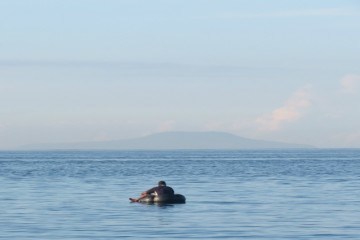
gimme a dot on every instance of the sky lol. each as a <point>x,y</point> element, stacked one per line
<point>94,70</point>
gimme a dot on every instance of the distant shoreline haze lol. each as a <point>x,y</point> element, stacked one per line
<point>171,141</point>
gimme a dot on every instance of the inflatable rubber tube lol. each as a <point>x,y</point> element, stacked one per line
<point>177,198</point>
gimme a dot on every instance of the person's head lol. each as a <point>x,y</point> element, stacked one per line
<point>162,183</point>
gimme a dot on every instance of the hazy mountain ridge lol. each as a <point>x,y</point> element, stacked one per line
<point>173,141</point>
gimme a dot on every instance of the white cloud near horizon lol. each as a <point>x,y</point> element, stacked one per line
<point>291,111</point>
<point>350,83</point>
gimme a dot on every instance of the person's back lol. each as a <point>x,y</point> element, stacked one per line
<point>161,190</point>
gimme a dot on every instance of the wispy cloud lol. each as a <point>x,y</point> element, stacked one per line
<point>166,126</point>
<point>60,63</point>
<point>350,83</point>
<point>314,12</point>
<point>320,12</point>
<point>291,111</point>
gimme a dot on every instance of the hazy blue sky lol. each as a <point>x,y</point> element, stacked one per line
<point>83,70</point>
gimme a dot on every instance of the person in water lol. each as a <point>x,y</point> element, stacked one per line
<point>161,191</point>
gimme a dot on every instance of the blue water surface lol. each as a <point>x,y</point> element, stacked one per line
<point>249,194</point>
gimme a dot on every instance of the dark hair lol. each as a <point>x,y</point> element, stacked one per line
<point>162,183</point>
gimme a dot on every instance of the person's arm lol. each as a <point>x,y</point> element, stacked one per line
<point>143,194</point>
<point>150,191</point>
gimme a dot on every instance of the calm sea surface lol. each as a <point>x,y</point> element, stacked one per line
<point>252,194</point>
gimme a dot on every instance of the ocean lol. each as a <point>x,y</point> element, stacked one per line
<point>245,194</point>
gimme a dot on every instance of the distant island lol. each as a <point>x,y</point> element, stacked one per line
<point>173,141</point>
